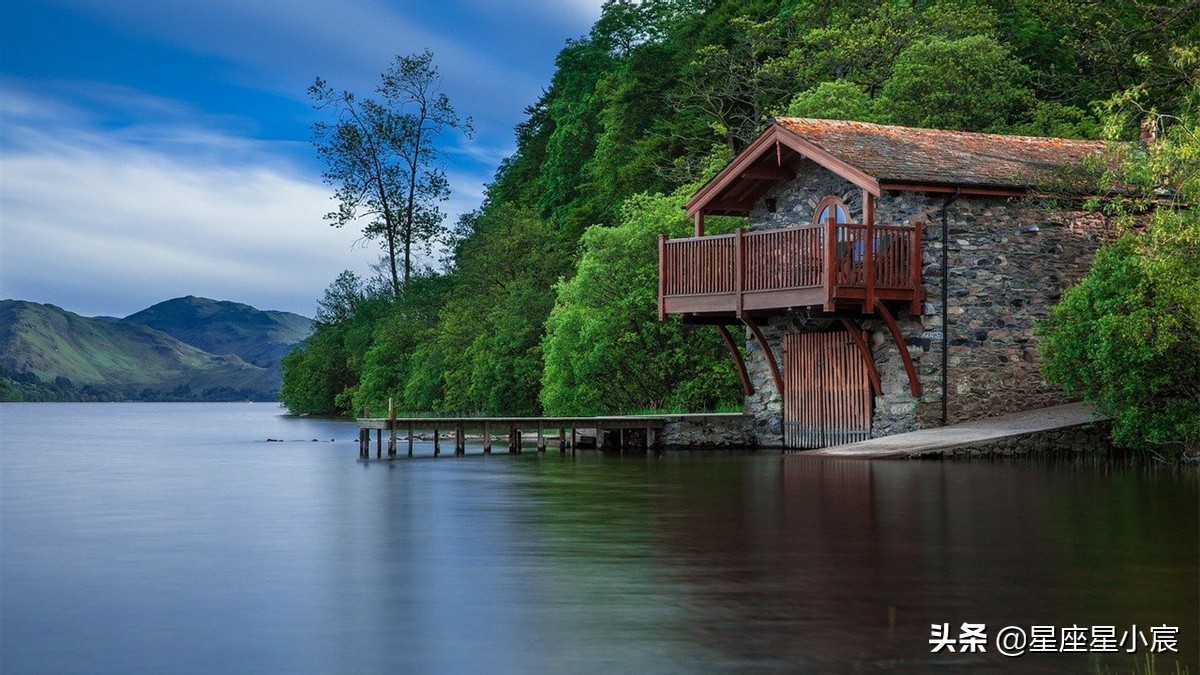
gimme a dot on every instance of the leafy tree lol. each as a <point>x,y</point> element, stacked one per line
<point>1127,337</point>
<point>840,100</point>
<point>971,84</point>
<point>604,349</point>
<point>381,158</point>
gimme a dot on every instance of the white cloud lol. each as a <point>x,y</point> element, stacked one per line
<point>99,224</point>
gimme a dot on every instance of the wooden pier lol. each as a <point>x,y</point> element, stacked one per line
<point>633,431</point>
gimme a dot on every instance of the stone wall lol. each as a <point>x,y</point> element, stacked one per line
<point>1094,437</point>
<point>707,431</point>
<point>1009,262</point>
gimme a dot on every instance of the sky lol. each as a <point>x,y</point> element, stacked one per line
<point>151,149</point>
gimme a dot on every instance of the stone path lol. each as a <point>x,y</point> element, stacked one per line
<point>963,435</point>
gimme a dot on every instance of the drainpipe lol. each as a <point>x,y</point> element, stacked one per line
<point>946,301</point>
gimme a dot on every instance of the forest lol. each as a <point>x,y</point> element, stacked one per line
<point>545,302</point>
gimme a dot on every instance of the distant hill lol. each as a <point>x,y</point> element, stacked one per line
<point>222,327</point>
<point>48,353</point>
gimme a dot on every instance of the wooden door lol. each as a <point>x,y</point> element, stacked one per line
<point>827,399</point>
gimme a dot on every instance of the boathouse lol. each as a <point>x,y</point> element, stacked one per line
<point>889,278</point>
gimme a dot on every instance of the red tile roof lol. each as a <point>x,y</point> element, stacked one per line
<point>961,158</point>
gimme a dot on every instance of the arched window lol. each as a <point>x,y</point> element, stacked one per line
<point>831,207</point>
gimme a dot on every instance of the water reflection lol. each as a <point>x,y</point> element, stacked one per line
<point>166,549</point>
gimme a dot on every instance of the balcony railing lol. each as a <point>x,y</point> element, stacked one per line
<point>790,267</point>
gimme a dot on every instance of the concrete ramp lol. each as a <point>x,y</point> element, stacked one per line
<point>964,434</point>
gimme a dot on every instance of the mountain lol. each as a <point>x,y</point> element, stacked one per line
<point>48,353</point>
<point>222,327</point>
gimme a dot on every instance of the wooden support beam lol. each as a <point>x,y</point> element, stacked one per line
<point>410,439</point>
<point>914,385</point>
<point>487,438</point>
<point>766,347</point>
<point>747,386</point>
<point>379,444</point>
<point>780,174</point>
<point>562,440</point>
<point>364,443</point>
<point>872,370</point>
<point>437,442</point>
<point>699,229</point>
<point>541,440</point>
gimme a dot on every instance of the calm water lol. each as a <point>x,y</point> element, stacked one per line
<point>152,538</point>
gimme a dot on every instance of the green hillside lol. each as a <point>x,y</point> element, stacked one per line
<point>222,327</point>
<point>48,353</point>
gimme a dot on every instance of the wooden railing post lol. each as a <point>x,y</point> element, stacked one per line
<point>739,270</point>
<point>918,288</point>
<point>662,277</point>
<point>830,259</point>
<point>869,253</point>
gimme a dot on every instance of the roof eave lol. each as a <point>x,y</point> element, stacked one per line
<point>766,143</point>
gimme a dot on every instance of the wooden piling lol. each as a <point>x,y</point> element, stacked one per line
<point>364,443</point>
<point>541,440</point>
<point>392,427</point>
<point>410,439</point>
<point>437,443</point>
<point>487,438</point>
<point>379,444</point>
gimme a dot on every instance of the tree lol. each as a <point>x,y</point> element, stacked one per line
<point>840,100</point>
<point>971,84</point>
<point>1127,337</point>
<point>381,158</point>
<point>605,351</point>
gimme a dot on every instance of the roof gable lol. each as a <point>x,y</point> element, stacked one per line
<point>879,157</point>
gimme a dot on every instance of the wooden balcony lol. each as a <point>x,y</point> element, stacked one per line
<point>755,273</point>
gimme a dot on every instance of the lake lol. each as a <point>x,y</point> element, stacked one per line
<point>153,538</point>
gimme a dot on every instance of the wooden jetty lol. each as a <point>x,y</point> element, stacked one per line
<point>631,431</point>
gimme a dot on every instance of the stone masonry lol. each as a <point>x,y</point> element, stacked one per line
<point>1009,263</point>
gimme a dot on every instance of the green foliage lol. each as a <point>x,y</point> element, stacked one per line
<point>971,84</point>
<point>1127,337</point>
<point>605,349</point>
<point>840,100</point>
<point>547,300</point>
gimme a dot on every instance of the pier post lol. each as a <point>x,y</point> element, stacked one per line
<point>364,443</point>
<point>379,444</point>
<point>487,438</point>
<point>392,428</point>
<point>437,443</point>
<point>541,440</point>
<point>562,440</point>
<point>573,441</point>
<point>460,441</point>
<point>410,438</point>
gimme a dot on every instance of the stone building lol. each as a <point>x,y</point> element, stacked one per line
<point>889,278</point>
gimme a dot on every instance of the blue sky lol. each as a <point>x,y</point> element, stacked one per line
<point>156,148</point>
